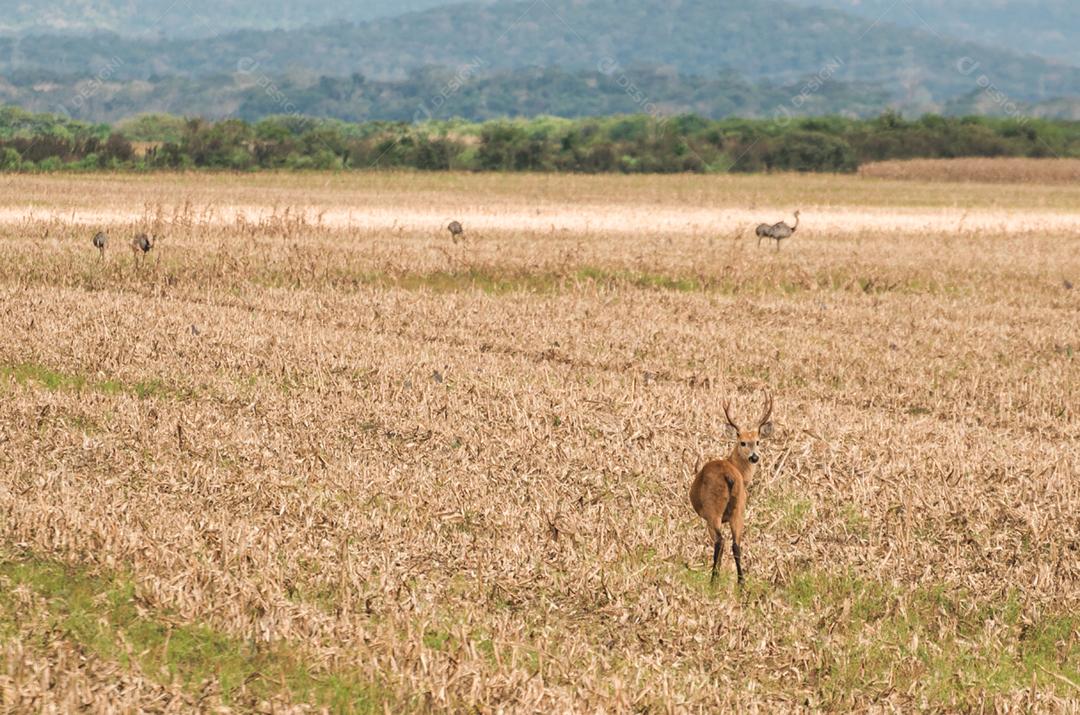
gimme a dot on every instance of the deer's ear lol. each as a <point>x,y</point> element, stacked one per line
<point>730,430</point>
<point>765,431</point>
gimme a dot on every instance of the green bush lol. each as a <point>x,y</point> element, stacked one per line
<point>811,151</point>
<point>10,160</point>
<point>50,164</point>
<point>628,144</point>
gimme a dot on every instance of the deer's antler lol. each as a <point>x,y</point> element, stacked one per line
<point>727,413</point>
<point>768,410</point>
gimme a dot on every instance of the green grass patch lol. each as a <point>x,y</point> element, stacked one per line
<point>609,278</point>
<point>791,510</point>
<point>55,380</point>
<point>496,280</point>
<point>492,282</point>
<point>51,380</point>
<point>956,648</point>
<point>855,521</point>
<point>436,639</point>
<point>99,612</point>
<point>700,579</point>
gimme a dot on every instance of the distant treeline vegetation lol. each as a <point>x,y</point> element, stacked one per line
<point>639,143</point>
<point>470,93</point>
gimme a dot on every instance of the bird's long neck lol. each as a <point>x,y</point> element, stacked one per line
<point>796,226</point>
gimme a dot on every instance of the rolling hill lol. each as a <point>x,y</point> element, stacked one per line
<point>1049,28</point>
<point>188,18</point>
<point>768,40</point>
<point>511,57</point>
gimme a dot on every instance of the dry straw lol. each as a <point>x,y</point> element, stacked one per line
<point>458,476</point>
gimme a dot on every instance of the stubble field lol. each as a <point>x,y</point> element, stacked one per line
<point>311,454</point>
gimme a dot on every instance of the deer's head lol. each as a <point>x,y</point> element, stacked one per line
<point>747,445</point>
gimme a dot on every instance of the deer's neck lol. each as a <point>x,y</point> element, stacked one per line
<point>742,464</point>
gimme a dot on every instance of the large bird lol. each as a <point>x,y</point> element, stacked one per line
<point>778,231</point>
<point>101,239</point>
<point>142,243</point>
<point>455,230</point>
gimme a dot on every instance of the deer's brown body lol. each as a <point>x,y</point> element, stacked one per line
<point>719,491</point>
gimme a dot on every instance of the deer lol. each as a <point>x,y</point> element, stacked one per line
<point>719,491</point>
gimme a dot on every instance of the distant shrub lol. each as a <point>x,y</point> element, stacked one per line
<point>627,144</point>
<point>10,160</point>
<point>811,151</point>
<point>49,164</point>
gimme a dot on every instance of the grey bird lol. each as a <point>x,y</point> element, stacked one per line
<point>778,231</point>
<point>455,230</point>
<point>101,239</point>
<point>141,244</point>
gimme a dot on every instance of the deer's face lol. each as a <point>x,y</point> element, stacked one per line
<point>748,441</point>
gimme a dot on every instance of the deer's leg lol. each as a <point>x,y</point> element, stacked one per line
<point>718,547</point>
<point>736,540</point>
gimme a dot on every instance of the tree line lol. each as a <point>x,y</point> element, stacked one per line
<point>626,144</point>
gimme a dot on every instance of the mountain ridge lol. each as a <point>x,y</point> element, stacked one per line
<point>1047,28</point>
<point>189,18</point>
<point>692,37</point>
<point>627,45</point>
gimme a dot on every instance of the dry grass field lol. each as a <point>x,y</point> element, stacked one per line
<point>310,454</point>
<point>983,170</point>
